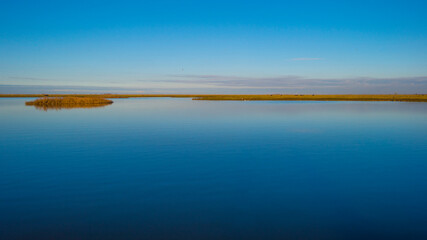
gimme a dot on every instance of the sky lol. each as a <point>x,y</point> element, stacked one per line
<point>220,46</point>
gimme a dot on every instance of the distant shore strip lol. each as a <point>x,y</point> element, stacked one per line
<point>230,97</point>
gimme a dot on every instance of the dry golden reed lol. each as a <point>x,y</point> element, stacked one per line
<point>312,97</point>
<point>57,103</point>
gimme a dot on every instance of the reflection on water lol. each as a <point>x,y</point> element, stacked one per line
<point>182,169</point>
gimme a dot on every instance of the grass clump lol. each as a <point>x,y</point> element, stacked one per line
<point>68,102</point>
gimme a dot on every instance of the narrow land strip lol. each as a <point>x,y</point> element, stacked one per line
<point>269,97</point>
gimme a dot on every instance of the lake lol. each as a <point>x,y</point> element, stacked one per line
<point>165,168</point>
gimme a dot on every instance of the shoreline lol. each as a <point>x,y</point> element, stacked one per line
<point>255,97</point>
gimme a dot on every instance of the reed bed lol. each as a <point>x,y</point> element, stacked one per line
<point>68,102</point>
<point>311,97</point>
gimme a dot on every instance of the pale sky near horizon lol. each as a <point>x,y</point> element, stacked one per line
<point>214,46</point>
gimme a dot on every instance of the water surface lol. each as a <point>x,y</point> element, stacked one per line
<point>161,168</point>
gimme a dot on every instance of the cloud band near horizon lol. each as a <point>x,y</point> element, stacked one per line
<point>193,83</point>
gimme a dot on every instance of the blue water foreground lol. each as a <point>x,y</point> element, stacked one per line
<point>164,168</point>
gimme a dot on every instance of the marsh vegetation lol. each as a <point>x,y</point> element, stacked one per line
<point>57,103</point>
<point>312,97</point>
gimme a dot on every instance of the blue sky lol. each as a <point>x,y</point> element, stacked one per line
<point>215,47</point>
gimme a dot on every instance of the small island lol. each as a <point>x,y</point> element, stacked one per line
<point>57,103</point>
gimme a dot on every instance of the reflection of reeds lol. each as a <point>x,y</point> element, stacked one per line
<point>57,103</point>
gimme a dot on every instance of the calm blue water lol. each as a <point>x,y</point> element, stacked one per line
<point>181,169</point>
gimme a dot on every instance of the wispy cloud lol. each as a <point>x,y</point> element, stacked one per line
<point>360,84</point>
<point>211,83</point>
<point>306,59</point>
<point>30,78</point>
